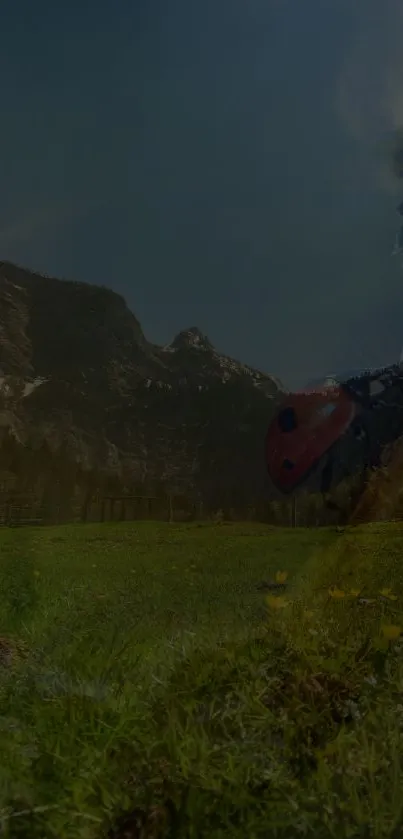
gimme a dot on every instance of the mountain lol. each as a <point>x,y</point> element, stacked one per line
<point>78,376</point>
<point>354,373</point>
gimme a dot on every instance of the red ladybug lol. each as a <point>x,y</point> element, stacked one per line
<point>328,433</point>
<point>305,429</point>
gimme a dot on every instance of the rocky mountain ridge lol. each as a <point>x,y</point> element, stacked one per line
<point>77,372</point>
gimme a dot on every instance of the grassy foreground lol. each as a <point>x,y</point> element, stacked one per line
<point>149,689</point>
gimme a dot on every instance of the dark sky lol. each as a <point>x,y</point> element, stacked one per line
<point>220,163</point>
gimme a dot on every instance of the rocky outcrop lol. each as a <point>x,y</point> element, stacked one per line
<point>77,372</point>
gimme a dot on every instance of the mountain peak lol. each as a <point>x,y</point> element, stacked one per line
<point>191,338</point>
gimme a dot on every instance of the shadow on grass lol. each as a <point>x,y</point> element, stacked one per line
<point>237,734</point>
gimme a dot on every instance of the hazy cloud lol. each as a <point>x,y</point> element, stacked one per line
<point>369,94</point>
<point>42,222</point>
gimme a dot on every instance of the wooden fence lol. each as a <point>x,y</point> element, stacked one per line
<point>20,511</point>
<point>15,513</point>
<point>121,508</point>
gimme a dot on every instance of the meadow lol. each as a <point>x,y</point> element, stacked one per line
<point>151,686</point>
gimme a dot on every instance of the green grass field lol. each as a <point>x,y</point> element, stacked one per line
<point>148,688</point>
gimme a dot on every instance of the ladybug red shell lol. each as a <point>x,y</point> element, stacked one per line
<point>307,425</point>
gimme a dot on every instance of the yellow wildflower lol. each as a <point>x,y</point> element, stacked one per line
<point>387,592</point>
<point>391,633</point>
<point>355,592</point>
<point>276,602</point>
<point>281,576</point>
<point>336,593</point>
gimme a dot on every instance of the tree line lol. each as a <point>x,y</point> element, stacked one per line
<point>56,489</point>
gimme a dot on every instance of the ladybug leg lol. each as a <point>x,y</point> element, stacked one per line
<point>326,477</point>
<point>326,483</point>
